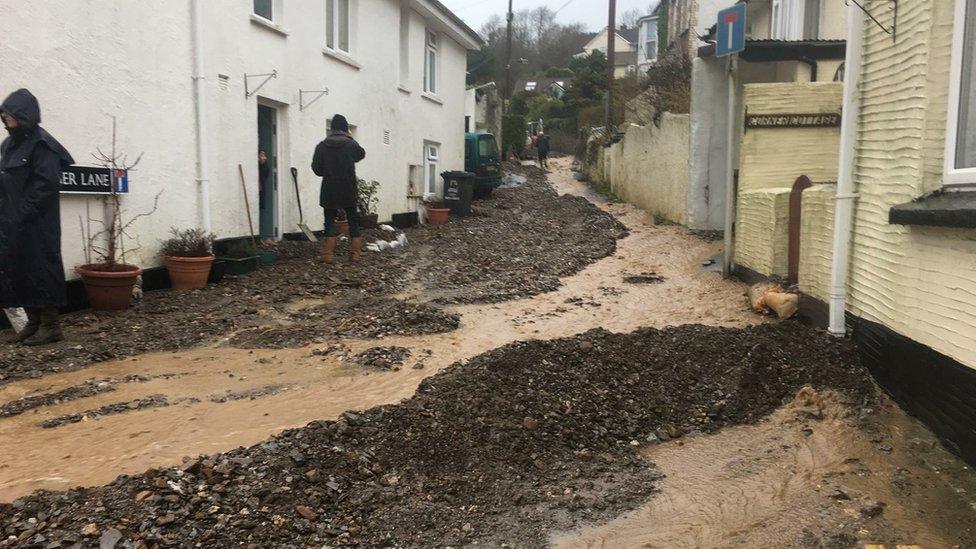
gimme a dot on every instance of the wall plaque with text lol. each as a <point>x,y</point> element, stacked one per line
<point>814,120</point>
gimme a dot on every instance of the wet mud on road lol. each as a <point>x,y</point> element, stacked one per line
<point>499,444</point>
<point>321,386</point>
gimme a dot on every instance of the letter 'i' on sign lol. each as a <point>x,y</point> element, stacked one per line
<point>731,31</point>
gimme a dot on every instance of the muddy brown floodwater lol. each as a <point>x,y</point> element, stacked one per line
<point>764,485</point>
<point>272,390</point>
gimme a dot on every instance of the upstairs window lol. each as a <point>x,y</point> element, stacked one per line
<point>430,63</point>
<point>530,86</point>
<point>264,8</point>
<point>337,25</point>
<point>650,40</point>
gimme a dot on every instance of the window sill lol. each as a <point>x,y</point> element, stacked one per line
<point>270,25</point>
<point>941,209</point>
<point>432,98</point>
<point>404,89</point>
<point>342,58</point>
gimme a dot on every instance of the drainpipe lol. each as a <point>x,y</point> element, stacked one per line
<point>199,79</point>
<point>844,209</point>
<point>813,67</point>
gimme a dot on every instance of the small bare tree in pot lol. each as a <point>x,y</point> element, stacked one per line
<point>188,256</point>
<point>107,276</point>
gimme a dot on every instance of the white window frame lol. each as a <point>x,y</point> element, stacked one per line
<point>332,20</point>
<point>431,159</point>
<point>786,20</point>
<point>431,72</point>
<point>650,53</point>
<point>956,176</point>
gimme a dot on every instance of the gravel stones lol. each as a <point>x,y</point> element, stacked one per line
<point>503,449</point>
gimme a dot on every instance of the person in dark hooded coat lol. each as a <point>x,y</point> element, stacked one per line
<point>335,162</point>
<point>31,271</point>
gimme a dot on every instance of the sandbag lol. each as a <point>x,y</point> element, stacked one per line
<point>767,296</point>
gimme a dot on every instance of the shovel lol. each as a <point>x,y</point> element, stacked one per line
<point>301,217</point>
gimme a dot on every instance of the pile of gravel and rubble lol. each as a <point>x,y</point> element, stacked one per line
<point>517,244</point>
<point>517,443</point>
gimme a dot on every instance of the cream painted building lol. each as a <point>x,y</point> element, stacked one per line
<point>624,47</point>
<point>271,74</point>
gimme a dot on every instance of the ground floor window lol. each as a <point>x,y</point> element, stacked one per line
<point>961,124</point>
<point>431,162</point>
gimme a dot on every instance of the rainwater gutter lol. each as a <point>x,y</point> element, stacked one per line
<point>199,80</point>
<point>844,208</point>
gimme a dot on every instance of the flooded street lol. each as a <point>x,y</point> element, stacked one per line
<point>798,480</point>
<point>817,472</point>
<point>282,388</point>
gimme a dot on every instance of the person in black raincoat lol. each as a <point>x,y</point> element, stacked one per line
<point>335,162</point>
<point>31,272</point>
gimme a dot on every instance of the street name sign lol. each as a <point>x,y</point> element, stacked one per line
<point>93,180</point>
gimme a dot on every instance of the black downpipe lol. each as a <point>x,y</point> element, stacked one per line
<point>813,67</point>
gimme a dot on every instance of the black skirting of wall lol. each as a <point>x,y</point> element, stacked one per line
<point>936,389</point>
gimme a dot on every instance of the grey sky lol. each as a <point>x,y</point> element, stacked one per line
<point>592,13</point>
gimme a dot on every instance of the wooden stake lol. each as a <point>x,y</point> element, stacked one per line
<point>247,206</point>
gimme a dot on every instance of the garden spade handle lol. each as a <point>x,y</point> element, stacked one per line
<point>247,205</point>
<point>298,195</point>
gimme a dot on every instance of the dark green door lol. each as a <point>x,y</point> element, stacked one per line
<point>268,177</point>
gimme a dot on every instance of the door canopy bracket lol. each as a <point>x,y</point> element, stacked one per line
<point>893,5</point>
<point>248,77</point>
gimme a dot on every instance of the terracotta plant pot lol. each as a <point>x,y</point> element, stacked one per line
<point>188,273</point>
<point>109,290</point>
<point>342,227</point>
<point>438,216</point>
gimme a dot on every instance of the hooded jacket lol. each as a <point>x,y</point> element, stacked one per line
<point>335,162</point>
<point>31,162</point>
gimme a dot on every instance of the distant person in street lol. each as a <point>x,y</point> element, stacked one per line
<point>335,162</point>
<point>31,272</point>
<point>264,170</point>
<point>542,147</point>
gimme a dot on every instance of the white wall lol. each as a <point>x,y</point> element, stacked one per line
<point>705,191</point>
<point>87,60</point>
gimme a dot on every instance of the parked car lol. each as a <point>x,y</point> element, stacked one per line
<point>482,159</point>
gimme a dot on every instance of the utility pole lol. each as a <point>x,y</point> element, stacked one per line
<point>611,39</point>
<point>508,62</point>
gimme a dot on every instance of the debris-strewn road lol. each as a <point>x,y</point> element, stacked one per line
<point>503,379</point>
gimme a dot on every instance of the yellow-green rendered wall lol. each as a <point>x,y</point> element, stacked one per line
<point>920,282</point>
<point>770,162</point>
<point>816,240</point>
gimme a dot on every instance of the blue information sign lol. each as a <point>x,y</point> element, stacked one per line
<point>731,35</point>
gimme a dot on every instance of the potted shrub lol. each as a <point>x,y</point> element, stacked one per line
<point>268,252</point>
<point>107,276</point>
<point>188,256</point>
<point>368,201</point>
<point>241,258</point>
<point>437,212</point>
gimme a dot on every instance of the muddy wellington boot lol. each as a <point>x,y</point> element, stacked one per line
<point>355,248</point>
<point>49,331</point>
<point>33,324</point>
<point>328,250</point>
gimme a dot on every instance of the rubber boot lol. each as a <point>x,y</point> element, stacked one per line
<point>49,331</point>
<point>33,324</point>
<point>328,250</point>
<point>355,248</point>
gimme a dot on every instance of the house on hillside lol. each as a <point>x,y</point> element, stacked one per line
<point>624,47</point>
<point>212,82</point>
<point>554,86</point>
